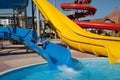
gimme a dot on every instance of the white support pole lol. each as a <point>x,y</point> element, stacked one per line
<point>54,2</point>
<point>38,22</point>
<point>43,25</point>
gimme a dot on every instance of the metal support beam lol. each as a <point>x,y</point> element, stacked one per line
<point>25,16</point>
<point>33,24</point>
<point>7,13</point>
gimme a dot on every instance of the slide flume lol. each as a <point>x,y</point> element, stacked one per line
<point>87,10</point>
<point>78,38</point>
<point>49,51</point>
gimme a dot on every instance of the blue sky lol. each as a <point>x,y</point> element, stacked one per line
<point>104,7</point>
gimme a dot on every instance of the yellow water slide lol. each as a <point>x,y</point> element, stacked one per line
<point>77,37</point>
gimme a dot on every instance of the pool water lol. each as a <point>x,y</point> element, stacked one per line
<point>83,69</point>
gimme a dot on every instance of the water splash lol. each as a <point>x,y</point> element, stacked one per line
<point>67,73</point>
<point>66,69</point>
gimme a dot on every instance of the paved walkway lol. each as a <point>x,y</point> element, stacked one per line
<point>13,56</point>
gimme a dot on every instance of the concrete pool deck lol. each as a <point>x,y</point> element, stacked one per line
<point>13,56</point>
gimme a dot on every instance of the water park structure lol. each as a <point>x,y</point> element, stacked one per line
<point>30,39</point>
<point>59,57</point>
<point>70,33</point>
<point>77,37</point>
<point>86,10</point>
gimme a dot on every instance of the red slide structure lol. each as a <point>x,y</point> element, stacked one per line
<point>87,10</point>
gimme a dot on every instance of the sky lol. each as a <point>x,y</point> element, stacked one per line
<point>104,7</point>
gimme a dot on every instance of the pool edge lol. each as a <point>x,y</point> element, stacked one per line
<point>12,69</point>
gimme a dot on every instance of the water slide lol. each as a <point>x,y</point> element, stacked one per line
<point>87,10</point>
<point>49,51</point>
<point>78,38</point>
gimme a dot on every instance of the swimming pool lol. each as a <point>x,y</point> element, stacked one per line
<point>83,69</point>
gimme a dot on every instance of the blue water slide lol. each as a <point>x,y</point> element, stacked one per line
<point>56,55</point>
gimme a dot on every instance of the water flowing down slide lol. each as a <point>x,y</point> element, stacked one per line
<point>78,38</point>
<point>49,51</point>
